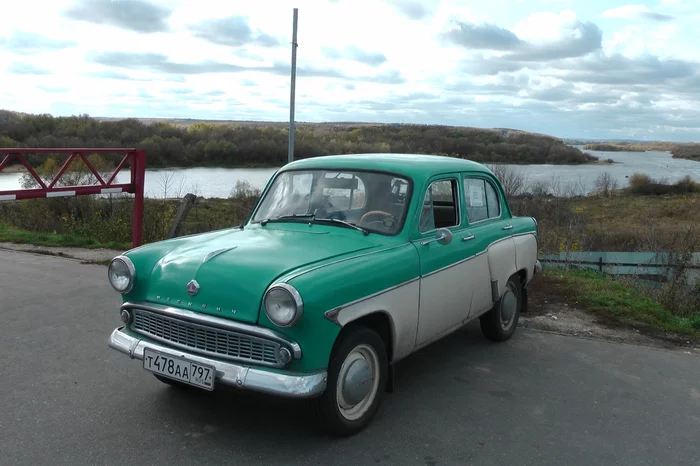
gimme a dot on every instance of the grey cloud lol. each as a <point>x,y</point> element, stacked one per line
<point>483,36</point>
<point>620,70</point>
<point>109,74</point>
<point>178,91</point>
<point>133,15</point>
<point>412,9</point>
<point>389,77</point>
<point>657,16</point>
<point>354,53</point>
<point>29,42</point>
<point>233,31</point>
<point>53,90</point>
<point>159,63</point>
<point>26,68</point>
<point>580,40</point>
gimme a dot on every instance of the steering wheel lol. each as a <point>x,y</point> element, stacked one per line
<point>387,221</point>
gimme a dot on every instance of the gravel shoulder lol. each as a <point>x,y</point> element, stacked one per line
<point>550,310</point>
<point>81,254</point>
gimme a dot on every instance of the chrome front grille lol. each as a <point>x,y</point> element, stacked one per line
<point>204,339</point>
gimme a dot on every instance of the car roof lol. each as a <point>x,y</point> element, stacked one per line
<point>415,166</point>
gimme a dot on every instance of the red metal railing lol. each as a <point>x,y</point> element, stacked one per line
<point>136,157</point>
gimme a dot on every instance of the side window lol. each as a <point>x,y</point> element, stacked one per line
<point>482,200</point>
<point>440,207</point>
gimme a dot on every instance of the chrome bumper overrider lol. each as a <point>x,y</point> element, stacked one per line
<point>237,375</point>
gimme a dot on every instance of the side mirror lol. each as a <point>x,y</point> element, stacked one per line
<point>442,236</point>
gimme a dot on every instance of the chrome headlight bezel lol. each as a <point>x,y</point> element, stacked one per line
<point>296,298</point>
<point>131,269</point>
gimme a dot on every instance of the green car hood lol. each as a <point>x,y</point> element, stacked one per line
<point>235,268</point>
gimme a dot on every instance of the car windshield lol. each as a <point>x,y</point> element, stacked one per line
<point>375,202</point>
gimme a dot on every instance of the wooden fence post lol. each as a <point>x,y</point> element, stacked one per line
<point>182,211</point>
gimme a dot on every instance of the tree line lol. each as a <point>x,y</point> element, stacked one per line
<point>228,144</point>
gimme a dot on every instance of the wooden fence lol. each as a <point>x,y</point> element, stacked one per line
<point>648,266</point>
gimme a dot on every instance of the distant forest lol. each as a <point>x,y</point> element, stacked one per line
<point>232,144</point>
<point>689,151</point>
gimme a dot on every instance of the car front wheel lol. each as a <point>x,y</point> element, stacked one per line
<point>357,377</point>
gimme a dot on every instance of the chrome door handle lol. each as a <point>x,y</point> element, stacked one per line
<point>467,238</point>
<point>508,227</point>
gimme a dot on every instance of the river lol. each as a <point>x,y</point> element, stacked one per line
<point>218,182</point>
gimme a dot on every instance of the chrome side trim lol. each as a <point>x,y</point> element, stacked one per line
<point>244,377</point>
<point>225,324</point>
<point>332,314</point>
<point>298,274</point>
<point>455,264</point>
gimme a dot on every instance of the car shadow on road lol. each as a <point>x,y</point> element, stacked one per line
<point>231,418</point>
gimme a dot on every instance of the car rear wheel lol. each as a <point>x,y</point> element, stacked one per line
<point>500,322</point>
<point>357,377</point>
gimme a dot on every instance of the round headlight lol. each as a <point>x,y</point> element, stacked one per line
<point>121,273</point>
<point>283,305</point>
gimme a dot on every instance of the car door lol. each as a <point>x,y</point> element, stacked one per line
<point>488,227</point>
<point>445,300</point>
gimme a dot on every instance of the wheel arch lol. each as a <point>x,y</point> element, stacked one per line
<point>381,322</point>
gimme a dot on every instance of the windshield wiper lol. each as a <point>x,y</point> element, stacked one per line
<point>286,217</point>
<point>343,222</point>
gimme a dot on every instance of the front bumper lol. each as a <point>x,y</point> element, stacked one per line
<point>538,267</point>
<point>237,375</point>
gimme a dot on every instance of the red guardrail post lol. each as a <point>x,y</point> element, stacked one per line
<point>138,180</point>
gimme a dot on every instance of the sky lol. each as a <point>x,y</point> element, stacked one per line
<point>569,68</point>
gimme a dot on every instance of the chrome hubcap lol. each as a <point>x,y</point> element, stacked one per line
<point>509,304</point>
<point>358,381</point>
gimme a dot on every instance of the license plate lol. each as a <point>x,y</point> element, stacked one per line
<point>180,369</point>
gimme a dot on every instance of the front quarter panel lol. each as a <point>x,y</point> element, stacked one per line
<point>385,281</point>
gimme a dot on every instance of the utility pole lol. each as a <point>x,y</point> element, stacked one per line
<point>290,154</point>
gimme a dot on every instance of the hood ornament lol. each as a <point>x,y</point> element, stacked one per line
<point>192,287</point>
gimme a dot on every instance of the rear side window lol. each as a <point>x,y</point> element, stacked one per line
<point>481,199</point>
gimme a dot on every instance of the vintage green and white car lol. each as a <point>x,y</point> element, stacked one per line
<point>346,265</point>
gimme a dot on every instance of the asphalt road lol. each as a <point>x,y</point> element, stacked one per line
<point>66,398</point>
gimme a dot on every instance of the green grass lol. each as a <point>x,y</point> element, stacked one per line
<point>11,234</point>
<point>621,303</point>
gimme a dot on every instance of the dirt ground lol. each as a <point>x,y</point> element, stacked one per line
<point>551,309</point>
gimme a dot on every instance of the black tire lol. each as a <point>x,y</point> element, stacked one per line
<point>172,383</point>
<point>495,327</point>
<point>366,345</point>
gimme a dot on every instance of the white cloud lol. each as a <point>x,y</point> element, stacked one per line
<point>552,61</point>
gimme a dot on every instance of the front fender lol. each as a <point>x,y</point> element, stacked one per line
<point>342,291</point>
